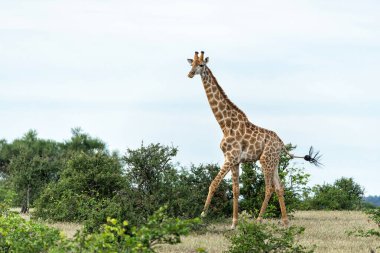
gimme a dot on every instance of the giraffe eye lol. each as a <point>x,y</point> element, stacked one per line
<point>201,65</point>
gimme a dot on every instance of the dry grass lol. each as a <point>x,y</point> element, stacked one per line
<point>68,228</point>
<point>325,229</point>
<point>213,240</point>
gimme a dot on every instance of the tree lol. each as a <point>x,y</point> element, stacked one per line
<point>83,142</point>
<point>156,181</point>
<point>5,150</point>
<point>31,164</point>
<point>253,187</point>
<point>86,183</point>
<point>152,175</point>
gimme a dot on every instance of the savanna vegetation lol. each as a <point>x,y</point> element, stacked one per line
<point>134,201</point>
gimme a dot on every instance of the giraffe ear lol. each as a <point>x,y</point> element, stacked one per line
<point>206,60</point>
<point>190,61</point>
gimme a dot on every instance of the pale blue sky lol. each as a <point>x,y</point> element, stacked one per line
<point>305,69</point>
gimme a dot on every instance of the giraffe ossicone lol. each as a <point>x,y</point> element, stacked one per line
<point>242,142</point>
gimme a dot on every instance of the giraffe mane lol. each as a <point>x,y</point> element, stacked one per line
<point>224,95</point>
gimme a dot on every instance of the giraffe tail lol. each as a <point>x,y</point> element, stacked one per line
<point>313,157</point>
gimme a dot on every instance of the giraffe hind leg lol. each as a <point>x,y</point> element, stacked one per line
<point>268,191</point>
<point>280,193</point>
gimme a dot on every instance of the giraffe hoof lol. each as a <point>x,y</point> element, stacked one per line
<point>203,214</point>
<point>259,219</point>
<point>233,226</point>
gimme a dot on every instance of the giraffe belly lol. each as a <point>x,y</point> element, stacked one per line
<point>248,156</point>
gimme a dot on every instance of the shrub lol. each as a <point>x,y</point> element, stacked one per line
<point>152,176</point>
<point>19,235</point>
<point>120,237</point>
<point>155,182</point>
<point>344,194</point>
<point>265,237</point>
<point>86,180</point>
<point>6,195</point>
<point>120,206</point>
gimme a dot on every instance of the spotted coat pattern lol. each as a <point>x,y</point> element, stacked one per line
<point>242,142</point>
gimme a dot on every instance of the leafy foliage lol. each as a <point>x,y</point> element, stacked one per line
<point>29,163</point>
<point>93,186</point>
<point>19,235</point>
<point>253,187</point>
<point>155,182</point>
<point>79,180</point>
<point>344,194</point>
<point>120,237</point>
<point>86,181</point>
<point>265,237</point>
<point>152,176</point>
<point>83,142</point>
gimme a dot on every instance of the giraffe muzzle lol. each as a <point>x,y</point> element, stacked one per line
<point>191,74</point>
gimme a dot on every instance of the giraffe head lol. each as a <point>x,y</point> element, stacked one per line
<point>198,64</point>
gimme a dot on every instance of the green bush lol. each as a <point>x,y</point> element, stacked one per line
<point>344,194</point>
<point>265,237</point>
<point>93,186</point>
<point>121,237</point>
<point>86,181</point>
<point>120,206</point>
<point>155,181</point>
<point>31,163</point>
<point>19,235</point>
<point>6,195</point>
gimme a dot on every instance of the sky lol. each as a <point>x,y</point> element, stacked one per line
<point>308,70</point>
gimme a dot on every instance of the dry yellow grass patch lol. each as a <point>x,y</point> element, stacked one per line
<point>68,228</point>
<point>325,229</point>
<point>213,240</point>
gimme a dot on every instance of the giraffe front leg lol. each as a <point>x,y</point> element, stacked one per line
<point>236,192</point>
<point>214,185</point>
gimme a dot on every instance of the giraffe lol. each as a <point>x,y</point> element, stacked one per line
<point>242,142</point>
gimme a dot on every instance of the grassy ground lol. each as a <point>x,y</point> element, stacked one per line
<point>325,229</point>
<point>68,228</point>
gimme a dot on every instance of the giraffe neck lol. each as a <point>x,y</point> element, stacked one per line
<point>226,113</point>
